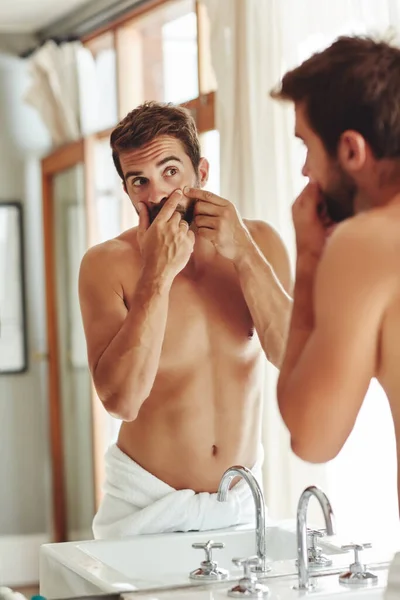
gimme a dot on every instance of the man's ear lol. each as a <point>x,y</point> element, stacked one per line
<point>204,168</point>
<point>124,187</point>
<point>352,151</point>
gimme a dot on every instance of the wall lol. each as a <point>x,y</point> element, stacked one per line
<point>24,454</point>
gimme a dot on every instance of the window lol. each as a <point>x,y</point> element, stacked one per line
<point>162,46</point>
<point>97,71</point>
<point>108,194</point>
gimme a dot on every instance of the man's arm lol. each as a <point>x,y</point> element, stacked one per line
<point>302,317</point>
<point>264,273</point>
<point>323,387</point>
<point>124,345</point>
<point>261,262</point>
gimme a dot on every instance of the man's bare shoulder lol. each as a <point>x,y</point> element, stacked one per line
<point>375,229</point>
<point>108,257</point>
<point>114,249</point>
<point>261,230</point>
<point>266,237</point>
<point>271,245</point>
<point>362,253</point>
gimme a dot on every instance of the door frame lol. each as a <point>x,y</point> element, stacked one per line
<point>66,157</point>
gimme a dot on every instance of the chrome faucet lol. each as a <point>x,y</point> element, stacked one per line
<point>258,496</point>
<point>302,550</point>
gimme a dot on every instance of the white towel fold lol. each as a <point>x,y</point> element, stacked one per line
<point>136,502</point>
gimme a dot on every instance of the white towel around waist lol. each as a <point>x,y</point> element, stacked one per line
<point>136,502</point>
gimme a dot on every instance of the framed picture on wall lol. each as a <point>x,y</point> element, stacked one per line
<point>13,336</point>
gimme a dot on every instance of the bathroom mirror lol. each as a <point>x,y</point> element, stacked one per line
<point>13,343</point>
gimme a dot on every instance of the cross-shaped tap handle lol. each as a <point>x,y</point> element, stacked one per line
<point>208,547</point>
<point>314,534</point>
<point>247,563</point>
<point>357,549</point>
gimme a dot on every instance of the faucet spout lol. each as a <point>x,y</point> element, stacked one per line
<point>247,475</point>
<point>302,529</point>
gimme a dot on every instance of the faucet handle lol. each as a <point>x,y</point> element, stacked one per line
<point>358,573</point>
<point>357,549</point>
<point>248,586</point>
<point>315,534</point>
<point>316,558</point>
<point>208,547</point>
<point>247,563</point>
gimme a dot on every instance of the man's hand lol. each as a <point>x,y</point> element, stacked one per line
<point>312,226</point>
<point>218,221</point>
<point>166,244</point>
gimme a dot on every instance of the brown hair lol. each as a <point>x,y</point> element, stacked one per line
<point>151,120</point>
<point>352,85</point>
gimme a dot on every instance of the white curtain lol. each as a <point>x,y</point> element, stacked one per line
<point>73,90</point>
<point>53,90</point>
<point>253,42</point>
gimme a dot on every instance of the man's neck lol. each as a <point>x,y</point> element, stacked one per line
<point>378,197</point>
<point>203,256</point>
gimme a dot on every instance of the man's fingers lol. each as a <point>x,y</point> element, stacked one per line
<point>204,195</point>
<point>204,221</point>
<point>313,193</point>
<point>207,234</point>
<point>206,208</point>
<point>176,219</point>
<point>309,200</point>
<point>169,207</point>
<point>144,219</point>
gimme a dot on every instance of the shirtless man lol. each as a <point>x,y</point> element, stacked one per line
<point>345,326</point>
<point>178,314</point>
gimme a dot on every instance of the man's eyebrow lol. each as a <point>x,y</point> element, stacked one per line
<point>159,164</point>
<point>133,174</point>
<point>167,159</point>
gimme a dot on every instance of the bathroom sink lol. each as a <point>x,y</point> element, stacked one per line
<point>328,588</point>
<point>172,555</point>
<point>152,562</point>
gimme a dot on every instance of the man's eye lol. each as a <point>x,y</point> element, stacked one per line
<point>139,181</point>
<point>171,171</point>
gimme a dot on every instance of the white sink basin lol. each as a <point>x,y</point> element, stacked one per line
<point>157,561</point>
<point>172,555</point>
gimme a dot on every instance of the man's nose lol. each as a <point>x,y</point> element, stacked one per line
<point>157,195</point>
<point>305,170</point>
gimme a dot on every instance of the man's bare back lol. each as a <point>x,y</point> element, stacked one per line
<point>345,325</point>
<point>359,272</point>
<point>388,355</point>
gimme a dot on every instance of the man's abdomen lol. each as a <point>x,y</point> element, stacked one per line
<point>189,433</point>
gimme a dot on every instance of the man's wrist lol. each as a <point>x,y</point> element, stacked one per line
<point>306,264</point>
<point>247,253</point>
<point>153,282</point>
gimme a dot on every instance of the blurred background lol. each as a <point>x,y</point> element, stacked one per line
<point>69,71</point>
